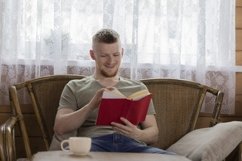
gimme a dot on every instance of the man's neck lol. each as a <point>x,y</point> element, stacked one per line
<point>107,81</point>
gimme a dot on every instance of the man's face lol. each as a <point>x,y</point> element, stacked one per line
<point>108,58</point>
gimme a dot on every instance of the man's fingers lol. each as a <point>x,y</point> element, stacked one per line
<point>126,122</point>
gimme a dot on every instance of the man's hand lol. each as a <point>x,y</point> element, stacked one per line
<point>148,134</point>
<point>95,101</point>
<point>127,129</point>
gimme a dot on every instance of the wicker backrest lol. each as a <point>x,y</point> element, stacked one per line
<point>45,95</point>
<point>177,104</point>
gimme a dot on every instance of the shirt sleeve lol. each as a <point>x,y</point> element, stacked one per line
<point>68,98</point>
<point>151,108</point>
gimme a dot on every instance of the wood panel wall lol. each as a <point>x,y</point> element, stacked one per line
<point>203,119</point>
<point>238,104</point>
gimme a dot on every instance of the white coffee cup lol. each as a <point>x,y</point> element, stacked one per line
<point>77,145</point>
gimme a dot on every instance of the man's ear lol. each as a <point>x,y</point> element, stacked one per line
<point>122,51</point>
<point>91,52</point>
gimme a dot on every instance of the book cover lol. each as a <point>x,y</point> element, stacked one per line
<point>115,105</point>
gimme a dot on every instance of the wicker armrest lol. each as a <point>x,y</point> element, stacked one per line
<point>8,132</point>
<point>2,144</point>
<point>217,105</point>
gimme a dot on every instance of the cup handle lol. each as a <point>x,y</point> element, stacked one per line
<point>62,143</point>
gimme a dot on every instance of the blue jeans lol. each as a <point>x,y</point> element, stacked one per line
<point>120,143</point>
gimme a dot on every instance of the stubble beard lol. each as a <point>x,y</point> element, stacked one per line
<point>109,75</point>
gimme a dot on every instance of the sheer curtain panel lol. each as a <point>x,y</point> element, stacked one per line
<point>187,39</point>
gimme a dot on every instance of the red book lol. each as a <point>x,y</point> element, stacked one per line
<point>115,105</point>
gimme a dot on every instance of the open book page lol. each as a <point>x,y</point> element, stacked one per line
<point>112,93</point>
<point>115,93</point>
<point>138,95</point>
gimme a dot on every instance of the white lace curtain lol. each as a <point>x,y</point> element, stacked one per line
<point>187,39</point>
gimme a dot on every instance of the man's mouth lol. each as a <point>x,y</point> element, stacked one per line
<point>110,66</point>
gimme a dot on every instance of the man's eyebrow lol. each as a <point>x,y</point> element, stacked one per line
<point>111,53</point>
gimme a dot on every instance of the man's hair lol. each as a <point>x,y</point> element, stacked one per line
<point>106,36</point>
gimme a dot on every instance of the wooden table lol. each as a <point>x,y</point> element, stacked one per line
<point>105,156</point>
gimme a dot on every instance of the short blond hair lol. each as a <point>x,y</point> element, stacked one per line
<point>105,36</point>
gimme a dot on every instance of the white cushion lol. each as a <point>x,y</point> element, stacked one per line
<point>210,144</point>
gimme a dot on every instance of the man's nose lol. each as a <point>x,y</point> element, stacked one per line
<point>110,59</point>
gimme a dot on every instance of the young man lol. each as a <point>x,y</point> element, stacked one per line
<point>80,100</point>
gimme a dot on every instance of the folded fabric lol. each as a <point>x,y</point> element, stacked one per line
<point>210,144</point>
